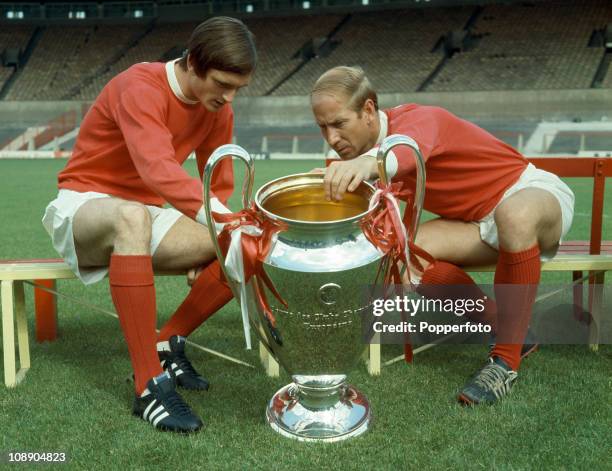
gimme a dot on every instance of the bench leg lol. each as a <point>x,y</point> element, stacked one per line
<point>22,330</point>
<point>578,296</point>
<point>269,363</point>
<point>596,301</point>
<point>374,360</point>
<point>46,311</point>
<point>8,333</point>
<point>373,356</point>
<point>12,291</point>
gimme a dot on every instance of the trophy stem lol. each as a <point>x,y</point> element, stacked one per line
<point>319,411</point>
<point>320,398</point>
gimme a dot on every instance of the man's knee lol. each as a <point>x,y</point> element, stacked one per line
<point>133,217</point>
<point>517,226</point>
<point>427,241</point>
<point>133,224</point>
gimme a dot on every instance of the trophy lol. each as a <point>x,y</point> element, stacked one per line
<point>307,302</point>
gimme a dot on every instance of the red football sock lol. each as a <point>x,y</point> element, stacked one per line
<point>444,273</point>
<point>208,294</point>
<point>133,291</point>
<point>516,285</point>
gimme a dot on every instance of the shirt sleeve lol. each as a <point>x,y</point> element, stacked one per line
<point>425,125</point>
<point>140,114</point>
<point>223,179</point>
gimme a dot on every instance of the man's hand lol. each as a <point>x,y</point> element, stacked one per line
<point>343,176</point>
<point>193,274</point>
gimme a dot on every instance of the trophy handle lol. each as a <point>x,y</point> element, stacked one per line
<point>381,159</point>
<point>227,150</point>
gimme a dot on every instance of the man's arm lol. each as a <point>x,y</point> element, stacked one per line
<point>140,115</point>
<point>425,125</point>
<point>223,179</point>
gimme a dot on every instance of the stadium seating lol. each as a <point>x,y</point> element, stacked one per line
<point>64,57</point>
<point>15,37</point>
<point>278,40</point>
<point>538,45</point>
<point>104,44</point>
<point>393,47</point>
<point>142,45</point>
<point>607,82</point>
<point>5,73</point>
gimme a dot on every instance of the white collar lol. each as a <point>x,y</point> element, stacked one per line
<point>174,84</point>
<point>384,127</point>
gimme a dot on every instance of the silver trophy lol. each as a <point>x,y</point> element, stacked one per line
<point>320,263</point>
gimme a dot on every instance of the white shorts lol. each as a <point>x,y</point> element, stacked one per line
<point>533,177</point>
<point>58,219</point>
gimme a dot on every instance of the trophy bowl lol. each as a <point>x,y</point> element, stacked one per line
<point>321,264</point>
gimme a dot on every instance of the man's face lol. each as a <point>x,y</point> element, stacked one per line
<point>216,88</point>
<point>349,133</point>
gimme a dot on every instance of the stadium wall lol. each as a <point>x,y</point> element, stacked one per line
<point>15,114</point>
<point>535,105</point>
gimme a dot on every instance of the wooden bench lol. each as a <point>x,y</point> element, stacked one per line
<point>43,274</point>
<point>13,276</point>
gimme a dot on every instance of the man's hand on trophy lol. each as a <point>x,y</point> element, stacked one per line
<point>344,176</point>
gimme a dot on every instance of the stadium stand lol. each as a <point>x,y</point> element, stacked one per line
<point>529,46</point>
<point>279,139</point>
<point>64,57</point>
<point>5,73</point>
<point>394,47</point>
<point>15,37</point>
<point>104,44</point>
<point>607,82</point>
<point>278,40</point>
<point>148,44</point>
<point>397,48</point>
<point>537,45</point>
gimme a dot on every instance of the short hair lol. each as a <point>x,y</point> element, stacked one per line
<point>221,43</point>
<point>349,81</point>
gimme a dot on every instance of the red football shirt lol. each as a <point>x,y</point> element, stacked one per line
<point>136,136</point>
<point>468,169</point>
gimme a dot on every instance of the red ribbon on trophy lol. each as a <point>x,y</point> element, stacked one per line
<point>385,230</point>
<point>256,244</point>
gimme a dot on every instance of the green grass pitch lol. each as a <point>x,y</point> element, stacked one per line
<point>76,399</point>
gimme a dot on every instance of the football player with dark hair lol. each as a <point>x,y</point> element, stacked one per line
<point>108,217</point>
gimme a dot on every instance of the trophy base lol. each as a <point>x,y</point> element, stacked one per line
<point>343,413</point>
